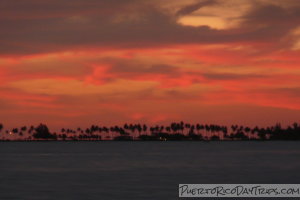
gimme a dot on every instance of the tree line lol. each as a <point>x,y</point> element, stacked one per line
<point>174,131</point>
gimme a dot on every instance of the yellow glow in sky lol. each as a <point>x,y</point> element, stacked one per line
<point>210,21</point>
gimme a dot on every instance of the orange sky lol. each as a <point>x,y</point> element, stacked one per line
<point>70,63</point>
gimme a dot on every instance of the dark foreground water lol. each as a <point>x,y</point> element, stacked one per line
<point>138,170</point>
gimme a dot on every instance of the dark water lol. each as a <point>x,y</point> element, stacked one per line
<point>138,170</point>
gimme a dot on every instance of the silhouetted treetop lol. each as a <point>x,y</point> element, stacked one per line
<point>42,132</point>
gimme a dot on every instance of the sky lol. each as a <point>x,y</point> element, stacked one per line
<point>82,62</point>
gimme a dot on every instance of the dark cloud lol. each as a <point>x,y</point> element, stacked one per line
<point>30,9</point>
<point>131,69</point>
<point>134,67</point>
<point>32,26</point>
<point>293,92</point>
<point>183,95</point>
<point>231,76</point>
<point>270,22</point>
<point>194,7</point>
<point>273,14</point>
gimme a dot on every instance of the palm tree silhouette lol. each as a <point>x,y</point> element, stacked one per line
<point>173,131</point>
<point>42,132</point>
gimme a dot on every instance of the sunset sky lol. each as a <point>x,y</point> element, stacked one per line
<point>83,62</point>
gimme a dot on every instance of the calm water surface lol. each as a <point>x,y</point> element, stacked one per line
<point>138,170</point>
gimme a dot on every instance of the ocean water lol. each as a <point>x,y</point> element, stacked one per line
<point>138,170</point>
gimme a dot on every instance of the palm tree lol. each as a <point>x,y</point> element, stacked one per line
<point>295,125</point>
<point>247,130</point>
<point>175,131</point>
<point>24,128</point>
<point>15,130</point>
<point>42,132</point>
<point>262,134</point>
<point>145,128</point>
